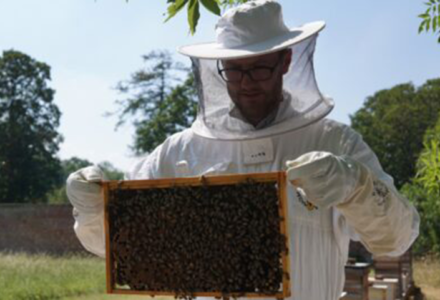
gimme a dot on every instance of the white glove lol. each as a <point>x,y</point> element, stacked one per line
<point>84,192</point>
<point>83,189</point>
<point>326,179</point>
<point>385,222</point>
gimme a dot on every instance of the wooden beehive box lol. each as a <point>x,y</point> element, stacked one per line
<point>217,236</point>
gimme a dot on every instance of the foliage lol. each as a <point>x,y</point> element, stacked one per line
<point>73,164</point>
<point>431,18</point>
<point>428,241</point>
<point>110,171</point>
<point>176,113</point>
<point>424,192</point>
<point>428,165</point>
<point>157,101</point>
<point>29,120</point>
<point>393,123</point>
<point>58,195</point>
<point>193,11</point>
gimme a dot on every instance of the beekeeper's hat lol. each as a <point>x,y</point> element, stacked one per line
<point>254,28</point>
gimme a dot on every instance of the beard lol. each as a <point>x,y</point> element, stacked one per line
<point>257,103</point>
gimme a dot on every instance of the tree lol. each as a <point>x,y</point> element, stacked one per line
<point>58,194</point>
<point>110,171</point>
<point>213,6</point>
<point>73,164</point>
<point>431,18</point>
<point>428,164</point>
<point>393,123</point>
<point>157,101</point>
<point>29,120</point>
<point>175,113</point>
<point>424,192</point>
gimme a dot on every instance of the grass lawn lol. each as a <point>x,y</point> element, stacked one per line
<point>427,276</point>
<point>115,297</point>
<point>43,277</point>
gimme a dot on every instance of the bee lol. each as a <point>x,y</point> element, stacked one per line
<point>183,239</point>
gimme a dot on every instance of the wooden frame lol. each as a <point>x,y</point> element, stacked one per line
<point>276,177</point>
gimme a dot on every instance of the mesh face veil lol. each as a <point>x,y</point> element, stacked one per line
<point>247,38</point>
<point>302,102</point>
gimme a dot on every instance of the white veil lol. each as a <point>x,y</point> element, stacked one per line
<point>302,105</point>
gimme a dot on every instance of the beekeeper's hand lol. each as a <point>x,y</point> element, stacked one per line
<point>326,179</point>
<point>84,191</point>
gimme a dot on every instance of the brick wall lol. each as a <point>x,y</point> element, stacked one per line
<point>36,228</point>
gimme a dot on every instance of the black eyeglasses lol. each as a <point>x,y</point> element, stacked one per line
<point>235,75</point>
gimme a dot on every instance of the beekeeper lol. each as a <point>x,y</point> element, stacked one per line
<point>260,110</point>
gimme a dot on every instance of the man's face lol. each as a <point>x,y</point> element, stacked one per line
<point>256,99</point>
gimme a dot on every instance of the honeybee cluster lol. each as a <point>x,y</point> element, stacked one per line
<point>223,239</point>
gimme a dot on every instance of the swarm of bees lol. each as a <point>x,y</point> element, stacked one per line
<point>190,239</point>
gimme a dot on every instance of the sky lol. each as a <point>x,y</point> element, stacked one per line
<point>91,45</point>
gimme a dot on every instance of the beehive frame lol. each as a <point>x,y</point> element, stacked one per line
<point>277,177</point>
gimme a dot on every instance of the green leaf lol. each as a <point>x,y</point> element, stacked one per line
<point>434,24</point>
<point>424,16</point>
<point>193,15</point>
<point>175,7</point>
<point>428,25</point>
<point>212,6</point>
<point>421,26</point>
<point>432,1</point>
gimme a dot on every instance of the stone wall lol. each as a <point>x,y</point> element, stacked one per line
<point>38,228</point>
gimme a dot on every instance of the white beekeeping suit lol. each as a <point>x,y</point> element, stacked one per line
<point>328,163</point>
